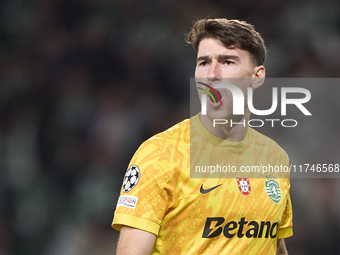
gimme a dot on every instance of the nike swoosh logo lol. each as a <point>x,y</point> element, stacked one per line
<point>205,191</point>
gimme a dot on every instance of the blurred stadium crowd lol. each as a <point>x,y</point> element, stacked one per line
<point>84,82</point>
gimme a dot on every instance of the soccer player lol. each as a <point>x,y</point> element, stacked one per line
<point>162,210</point>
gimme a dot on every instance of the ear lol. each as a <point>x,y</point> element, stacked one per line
<point>258,76</point>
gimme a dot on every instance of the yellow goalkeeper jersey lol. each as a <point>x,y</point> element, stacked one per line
<point>205,215</point>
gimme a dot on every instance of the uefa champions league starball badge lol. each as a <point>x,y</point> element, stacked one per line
<point>131,178</point>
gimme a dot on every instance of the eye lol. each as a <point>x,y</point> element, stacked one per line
<point>228,62</point>
<point>203,63</point>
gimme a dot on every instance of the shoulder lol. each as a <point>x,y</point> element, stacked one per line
<point>269,144</point>
<point>166,144</point>
<point>158,157</point>
<point>177,134</point>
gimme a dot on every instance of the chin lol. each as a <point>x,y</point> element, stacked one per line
<point>219,115</point>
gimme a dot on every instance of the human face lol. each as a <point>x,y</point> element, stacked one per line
<point>216,62</point>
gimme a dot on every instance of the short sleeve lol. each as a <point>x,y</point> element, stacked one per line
<point>286,224</point>
<point>146,193</point>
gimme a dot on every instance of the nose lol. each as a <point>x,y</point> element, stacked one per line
<point>214,73</point>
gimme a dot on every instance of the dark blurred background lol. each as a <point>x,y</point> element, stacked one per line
<point>84,82</point>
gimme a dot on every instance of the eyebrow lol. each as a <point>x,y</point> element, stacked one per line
<point>221,56</point>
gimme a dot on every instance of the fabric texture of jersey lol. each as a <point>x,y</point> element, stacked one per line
<point>207,215</point>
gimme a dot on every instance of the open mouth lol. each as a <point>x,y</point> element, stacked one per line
<point>214,95</point>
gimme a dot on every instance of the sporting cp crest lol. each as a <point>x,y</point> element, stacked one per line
<point>273,190</point>
<point>244,185</point>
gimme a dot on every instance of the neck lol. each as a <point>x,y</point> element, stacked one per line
<point>234,133</point>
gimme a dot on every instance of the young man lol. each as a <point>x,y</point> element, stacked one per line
<point>162,210</point>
